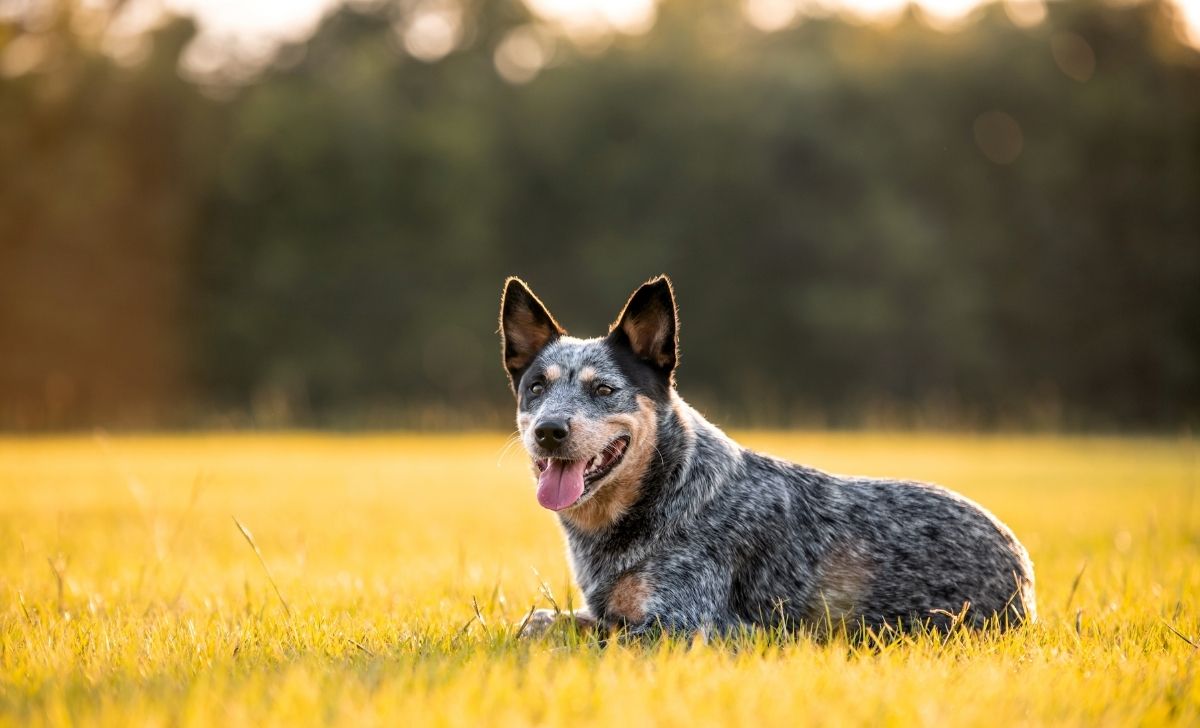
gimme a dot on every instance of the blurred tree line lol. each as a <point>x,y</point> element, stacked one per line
<point>993,226</point>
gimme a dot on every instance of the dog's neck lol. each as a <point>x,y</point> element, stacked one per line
<point>700,478</point>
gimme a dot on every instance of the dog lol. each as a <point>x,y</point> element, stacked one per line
<point>673,527</point>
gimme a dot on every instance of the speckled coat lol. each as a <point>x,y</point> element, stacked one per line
<point>690,531</point>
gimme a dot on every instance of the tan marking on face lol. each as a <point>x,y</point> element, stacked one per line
<point>524,419</point>
<point>842,582</point>
<point>628,598</point>
<point>553,372</point>
<point>587,374</point>
<point>620,489</point>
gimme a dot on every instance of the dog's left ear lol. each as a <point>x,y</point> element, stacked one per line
<point>649,325</point>
<point>526,327</point>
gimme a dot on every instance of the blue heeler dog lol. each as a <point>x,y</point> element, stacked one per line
<point>673,526</point>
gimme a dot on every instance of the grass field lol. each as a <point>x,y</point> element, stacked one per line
<point>129,596</point>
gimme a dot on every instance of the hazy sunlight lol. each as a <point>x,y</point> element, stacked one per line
<point>276,20</point>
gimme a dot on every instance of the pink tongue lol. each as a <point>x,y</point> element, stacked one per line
<point>561,483</point>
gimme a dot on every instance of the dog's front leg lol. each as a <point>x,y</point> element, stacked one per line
<point>674,597</point>
<point>541,621</point>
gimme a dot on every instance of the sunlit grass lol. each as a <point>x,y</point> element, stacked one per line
<point>128,595</point>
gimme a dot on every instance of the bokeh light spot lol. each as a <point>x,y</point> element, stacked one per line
<point>947,15</point>
<point>1073,55</point>
<point>999,137</point>
<point>584,19</point>
<point>1025,13</point>
<point>24,54</point>
<point>1189,23</point>
<point>522,54</point>
<point>632,17</point>
<point>770,15</point>
<point>874,11</point>
<point>433,31</point>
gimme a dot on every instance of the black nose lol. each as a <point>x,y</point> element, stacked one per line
<point>551,433</point>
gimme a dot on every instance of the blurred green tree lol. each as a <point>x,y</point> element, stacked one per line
<point>106,169</point>
<point>994,226</point>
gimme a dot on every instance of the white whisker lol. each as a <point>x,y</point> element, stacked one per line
<point>512,439</point>
<point>658,452</point>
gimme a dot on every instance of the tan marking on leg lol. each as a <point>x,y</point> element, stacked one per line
<point>553,372</point>
<point>843,580</point>
<point>621,490</point>
<point>587,374</point>
<point>628,598</point>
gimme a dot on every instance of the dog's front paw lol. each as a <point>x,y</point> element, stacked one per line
<point>538,623</point>
<point>542,621</point>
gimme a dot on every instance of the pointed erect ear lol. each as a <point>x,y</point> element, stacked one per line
<point>526,327</point>
<point>649,325</point>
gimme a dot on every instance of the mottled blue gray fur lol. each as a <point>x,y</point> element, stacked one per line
<point>691,532</point>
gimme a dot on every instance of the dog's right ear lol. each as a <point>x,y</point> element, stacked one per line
<point>649,326</point>
<point>526,327</point>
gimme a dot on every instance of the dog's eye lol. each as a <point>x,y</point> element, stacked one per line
<point>537,388</point>
<point>604,390</point>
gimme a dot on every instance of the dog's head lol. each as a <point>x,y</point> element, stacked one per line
<point>586,408</point>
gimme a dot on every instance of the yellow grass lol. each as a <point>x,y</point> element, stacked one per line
<point>129,596</point>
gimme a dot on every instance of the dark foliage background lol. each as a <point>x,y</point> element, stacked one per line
<point>991,227</point>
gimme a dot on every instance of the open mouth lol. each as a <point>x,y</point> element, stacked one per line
<point>609,458</point>
<point>561,482</point>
